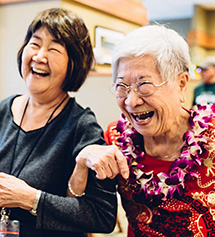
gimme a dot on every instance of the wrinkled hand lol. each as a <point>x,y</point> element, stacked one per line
<point>106,161</point>
<point>15,192</point>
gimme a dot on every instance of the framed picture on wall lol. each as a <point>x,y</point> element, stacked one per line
<point>105,42</point>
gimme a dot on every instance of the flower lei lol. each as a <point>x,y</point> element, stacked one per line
<point>148,188</point>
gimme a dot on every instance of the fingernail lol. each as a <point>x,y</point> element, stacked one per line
<point>126,176</point>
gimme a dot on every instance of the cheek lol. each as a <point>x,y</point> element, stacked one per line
<point>59,66</point>
<point>25,60</point>
<point>120,103</point>
<point>23,65</point>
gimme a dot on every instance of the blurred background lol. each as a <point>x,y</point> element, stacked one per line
<point>108,21</point>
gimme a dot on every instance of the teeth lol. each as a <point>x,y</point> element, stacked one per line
<point>38,70</point>
<point>143,116</point>
<point>144,113</point>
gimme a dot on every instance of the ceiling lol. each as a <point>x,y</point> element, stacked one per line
<point>173,9</point>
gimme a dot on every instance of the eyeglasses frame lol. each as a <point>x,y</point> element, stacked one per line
<point>136,88</point>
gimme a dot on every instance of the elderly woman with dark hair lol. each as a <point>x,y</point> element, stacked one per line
<point>42,132</point>
<point>169,150</point>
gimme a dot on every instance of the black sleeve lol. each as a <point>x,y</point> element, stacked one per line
<point>96,211</point>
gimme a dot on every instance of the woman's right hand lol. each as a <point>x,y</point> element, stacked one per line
<point>15,192</point>
<point>106,161</point>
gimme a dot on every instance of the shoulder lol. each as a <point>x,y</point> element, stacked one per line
<point>7,102</point>
<point>112,125</point>
<point>82,119</point>
<point>6,108</point>
<point>111,133</point>
<point>77,111</point>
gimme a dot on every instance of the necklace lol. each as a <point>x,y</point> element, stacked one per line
<point>153,189</point>
<point>37,139</point>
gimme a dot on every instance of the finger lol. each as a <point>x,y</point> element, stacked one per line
<point>3,175</point>
<point>115,171</point>
<point>100,173</point>
<point>122,164</point>
<point>109,164</point>
<point>102,169</point>
<point>113,166</point>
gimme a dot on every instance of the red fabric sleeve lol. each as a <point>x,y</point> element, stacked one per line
<point>111,134</point>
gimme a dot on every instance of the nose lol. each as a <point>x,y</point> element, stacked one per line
<point>133,99</point>
<point>40,57</point>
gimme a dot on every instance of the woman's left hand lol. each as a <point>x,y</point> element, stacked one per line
<point>15,192</point>
<point>106,161</point>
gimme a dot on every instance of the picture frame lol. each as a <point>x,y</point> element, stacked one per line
<point>105,42</point>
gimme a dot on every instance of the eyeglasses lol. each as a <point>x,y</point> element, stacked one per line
<point>145,89</point>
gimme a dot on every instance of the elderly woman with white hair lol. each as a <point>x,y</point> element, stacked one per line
<point>167,175</point>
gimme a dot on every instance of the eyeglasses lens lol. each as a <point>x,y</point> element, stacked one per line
<point>146,89</point>
<point>143,89</point>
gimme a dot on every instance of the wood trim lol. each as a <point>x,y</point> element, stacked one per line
<point>13,1</point>
<point>99,74</point>
<point>201,38</point>
<point>125,9</point>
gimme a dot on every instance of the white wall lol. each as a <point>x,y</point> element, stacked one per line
<point>14,20</point>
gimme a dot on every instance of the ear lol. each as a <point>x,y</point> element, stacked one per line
<point>183,79</point>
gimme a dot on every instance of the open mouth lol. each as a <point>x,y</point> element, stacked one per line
<point>143,117</point>
<point>39,72</point>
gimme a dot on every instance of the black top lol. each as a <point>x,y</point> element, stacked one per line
<point>49,167</point>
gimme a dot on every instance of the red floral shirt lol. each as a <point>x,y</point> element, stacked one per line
<point>191,215</point>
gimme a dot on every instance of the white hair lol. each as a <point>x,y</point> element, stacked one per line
<point>168,48</point>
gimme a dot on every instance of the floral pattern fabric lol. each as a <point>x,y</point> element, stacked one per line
<point>189,214</point>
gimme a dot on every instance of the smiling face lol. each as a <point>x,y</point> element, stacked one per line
<point>153,115</point>
<point>44,64</point>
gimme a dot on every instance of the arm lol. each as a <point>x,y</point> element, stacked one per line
<point>50,169</point>
<point>100,203</point>
<point>96,210</point>
<point>106,161</point>
<point>78,181</point>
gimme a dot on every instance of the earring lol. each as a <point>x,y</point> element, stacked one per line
<point>183,100</point>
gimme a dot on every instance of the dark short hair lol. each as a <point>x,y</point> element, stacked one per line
<point>69,30</point>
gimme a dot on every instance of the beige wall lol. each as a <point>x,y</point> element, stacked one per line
<point>95,92</point>
<point>94,18</point>
<point>203,23</point>
<point>14,20</point>
<point>96,95</point>
<point>202,43</point>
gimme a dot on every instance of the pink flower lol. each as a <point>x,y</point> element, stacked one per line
<point>154,189</point>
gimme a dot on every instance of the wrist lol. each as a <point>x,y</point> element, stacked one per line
<point>73,193</point>
<point>81,163</point>
<point>33,211</point>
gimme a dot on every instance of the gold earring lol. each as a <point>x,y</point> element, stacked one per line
<point>183,100</point>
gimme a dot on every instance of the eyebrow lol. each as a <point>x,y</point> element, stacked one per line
<point>138,78</point>
<point>36,36</point>
<point>54,40</point>
<point>144,78</point>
